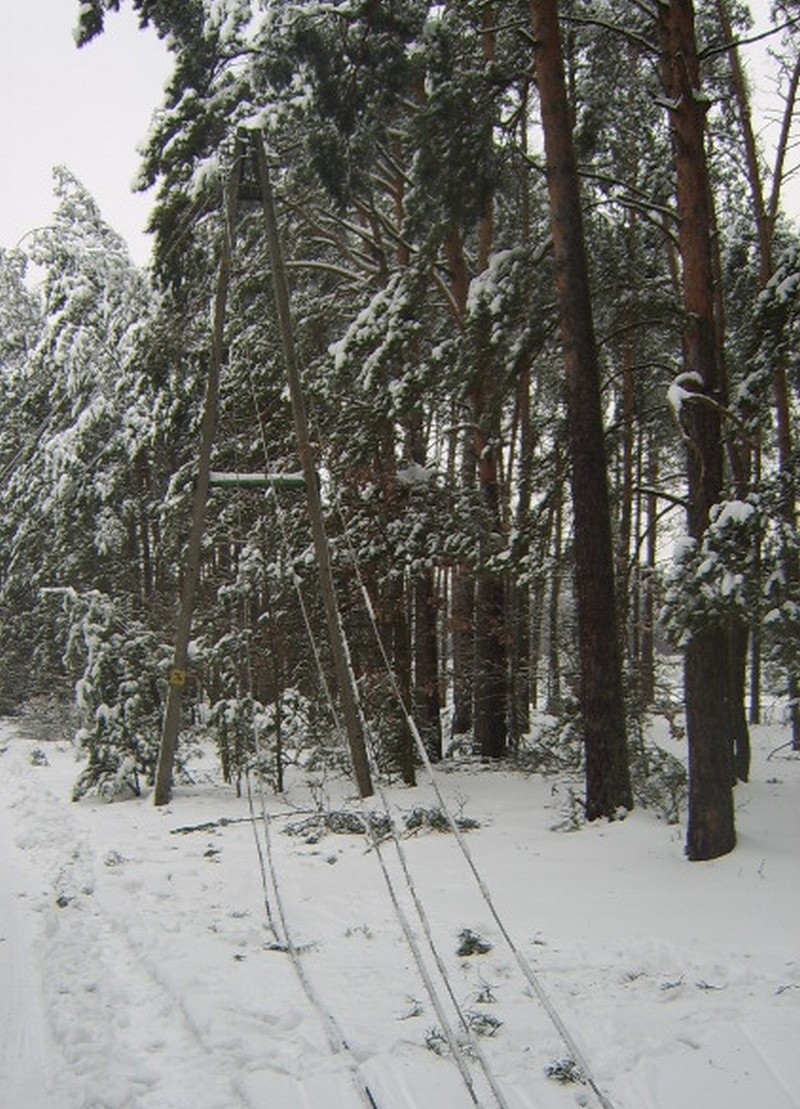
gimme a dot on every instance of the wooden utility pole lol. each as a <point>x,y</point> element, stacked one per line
<point>344,673</point>
<point>177,676</point>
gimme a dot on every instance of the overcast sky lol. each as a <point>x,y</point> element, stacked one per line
<point>89,109</point>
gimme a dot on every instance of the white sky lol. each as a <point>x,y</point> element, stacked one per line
<point>89,109</point>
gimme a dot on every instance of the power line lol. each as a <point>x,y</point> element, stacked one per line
<point>523,964</point>
<point>375,845</point>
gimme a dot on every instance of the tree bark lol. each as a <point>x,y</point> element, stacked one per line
<point>427,693</point>
<point>738,639</point>
<point>491,636</point>
<point>554,703</point>
<point>463,582</point>
<point>462,619</point>
<point>427,703</point>
<point>625,495</point>
<point>646,683</point>
<point>711,831</point>
<point>402,665</point>
<point>740,463</point>
<point>608,785</point>
<point>491,646</point>
<point>519,604</point>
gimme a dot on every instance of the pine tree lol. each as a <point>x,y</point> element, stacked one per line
<point>602,709</point>
<point>70,496</point>
<point>711,820</point>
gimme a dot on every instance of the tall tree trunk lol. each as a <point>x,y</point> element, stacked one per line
<point>539,596</point>
<point>524,658</point>
<point>711,831</point>
<point>463,582</point>
<point>490,676</point>
<point>537,623</point>
<point>491,645</point>
<point>519,615</point>
<point>740,463</point>
<point>491,638</point>
<point>490,697</point>
<point>427,699</point>
<point>608,785</point>
<point>625,523</point>
<point>635,621</point>
<point>738,639</point>
<point>402,666</point>
<point>765,215</point>
<point>755,619</point>
<point>462,620</point>
<point>427,702</point>
<point>554,704</point>
<point>647,666</point>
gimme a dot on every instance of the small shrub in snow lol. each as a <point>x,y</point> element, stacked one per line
<point>556,746</point>
<point>344,822</point>
<point>415,1009</point>
<point>565,1071</point>
<point>485,995</point>
<point>471,943</point>
<point>482,1023</point>
<point>573,809</point>
<point>659,781</point>
<point>340,822</point>
<point>436,1041</point>
<point>435,820</point>
<point>359,929</point>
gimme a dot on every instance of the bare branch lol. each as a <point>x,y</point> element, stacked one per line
<point>624,32</point>
<point>778,174</point>
<point>749,40</point>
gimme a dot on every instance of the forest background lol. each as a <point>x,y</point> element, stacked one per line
<point>446,357</point>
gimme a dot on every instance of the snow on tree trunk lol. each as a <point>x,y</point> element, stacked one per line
<point>608,785</point>
<point>711,831</point>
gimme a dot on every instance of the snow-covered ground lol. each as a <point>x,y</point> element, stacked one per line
<point>138,970</point>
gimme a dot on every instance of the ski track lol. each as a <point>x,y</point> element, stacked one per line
<point>26,1051</point>
<point>94,980</point>
<point>138,1027</point>
<point>140,972</point>
<point>125,1034</point>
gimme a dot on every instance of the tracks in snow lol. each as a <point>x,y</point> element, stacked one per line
<point>112,989</point>
<point>110,1018</point>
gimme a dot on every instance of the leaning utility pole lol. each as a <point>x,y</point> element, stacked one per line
<point>177,674</point>
<point>345,678</point>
